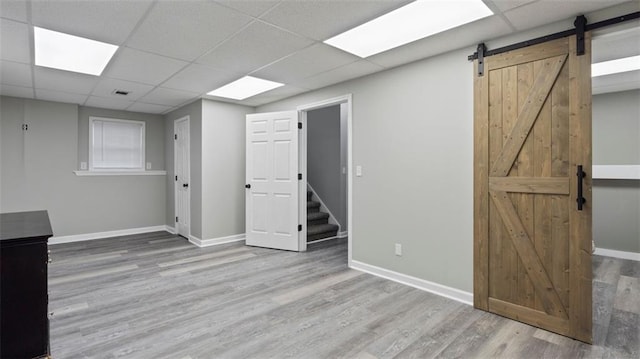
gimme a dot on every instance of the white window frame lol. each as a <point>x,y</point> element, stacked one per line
<point>92,119</point>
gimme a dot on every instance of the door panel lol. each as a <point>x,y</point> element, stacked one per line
<point>532,247</point>
<point>182,189</point>
<point>272,176</point>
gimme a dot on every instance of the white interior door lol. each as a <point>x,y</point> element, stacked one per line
<point>272,180</point>
<point>181,177</point>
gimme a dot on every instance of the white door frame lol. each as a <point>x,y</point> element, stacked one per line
<point>175,183</point>
<point>302,158</point>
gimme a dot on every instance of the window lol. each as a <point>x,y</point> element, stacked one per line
<point>116,144</point>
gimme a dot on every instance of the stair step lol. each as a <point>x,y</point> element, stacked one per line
<point>321,231</point>
<point>314,216</point>
<point>313,206</point>
<point>322,228</point>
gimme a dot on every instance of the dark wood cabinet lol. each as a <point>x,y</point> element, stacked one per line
<point>24,321</point>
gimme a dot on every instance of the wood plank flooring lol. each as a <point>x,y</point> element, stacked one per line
<point>157,296</point>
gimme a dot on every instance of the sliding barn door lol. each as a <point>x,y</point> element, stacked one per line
<point>532,110</point>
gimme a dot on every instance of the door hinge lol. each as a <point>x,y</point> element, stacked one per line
<point>176,178</point>
<point>175,136</point>
<point>176,219</point>
<point>299,125</point>
<point>299,228</point>
<point>299,176</point>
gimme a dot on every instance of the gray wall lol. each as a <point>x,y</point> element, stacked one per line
<point>412,135</point>
<point>217,167</point>
<point>223,168</point>
<point>194,111</point>
<point>616,141</point>
<point>324,159</point>
<point>37,173</point>
<point>154,133</point>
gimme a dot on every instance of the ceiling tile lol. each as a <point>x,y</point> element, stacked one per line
<point>341,74</point>
<point>107,21</point>
<point>274,95</point>
<point>524,17</point>
<point>138,66</point>
<point>186,29</point>
<point>504,5</point>
<point>106,102</point>
<point>250,7</point>
<point>72,82</point>
<point>59,96</point>
<point>321,20</point>
<point>168,97</point>
<point>308,62</point>
<point>15,73</point>
<point>16,91</point>
<point>14,9</point>
<point>14,41</point>
<point>148,108</point>
<point>468,35</point>
<point>199,78</point>
<point>255,46</point>
<point>106,87</point>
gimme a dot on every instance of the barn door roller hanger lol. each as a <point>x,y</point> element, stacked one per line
<point>581,27</point>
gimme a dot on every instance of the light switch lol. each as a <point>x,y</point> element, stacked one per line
<point>359,171</point>
<point>83,165</point>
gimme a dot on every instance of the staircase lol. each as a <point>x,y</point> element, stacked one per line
<point>318,226</point>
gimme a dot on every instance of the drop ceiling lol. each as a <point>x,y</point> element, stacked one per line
<point>173,52</point>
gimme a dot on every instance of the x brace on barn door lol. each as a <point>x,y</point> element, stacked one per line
<point>581,27</point>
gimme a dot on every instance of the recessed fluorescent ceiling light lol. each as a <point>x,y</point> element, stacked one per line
<point>244,88</point>
<point>615,66</point>
<point>409,23</point>
<point>71,53</point>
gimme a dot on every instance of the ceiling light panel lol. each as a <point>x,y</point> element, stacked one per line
<point>71,53</point>
<point>244,88</point>
<point>615,66</point>
<point>409,23</point>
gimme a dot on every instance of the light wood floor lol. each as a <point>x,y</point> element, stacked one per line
<point>157,296</point>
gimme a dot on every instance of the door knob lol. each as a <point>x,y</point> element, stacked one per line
<point>247,186</point>
<point>185,185</point>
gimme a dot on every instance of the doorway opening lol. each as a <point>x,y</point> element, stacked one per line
<point>325,160</point>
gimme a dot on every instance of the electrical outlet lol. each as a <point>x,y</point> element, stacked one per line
<point>148,165</point>
<point>398,249</point>
<point>359,171</point>
<point>83,165</point>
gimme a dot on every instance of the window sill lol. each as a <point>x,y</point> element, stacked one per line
<point>120,173</point>
<point>631,172</point>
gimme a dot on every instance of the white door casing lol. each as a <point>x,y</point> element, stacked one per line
<point>181,176</point>
<point>272,180</point>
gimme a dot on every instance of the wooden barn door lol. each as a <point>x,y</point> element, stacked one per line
<point>532,245</point>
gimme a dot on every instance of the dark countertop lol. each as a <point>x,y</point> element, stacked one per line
<point>24,225</point>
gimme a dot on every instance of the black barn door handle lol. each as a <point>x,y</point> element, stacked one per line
<point>581,200</point>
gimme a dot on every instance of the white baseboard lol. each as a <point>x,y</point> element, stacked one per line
<point>617,254</point>
<point>108,234</point>
<point>216,241</point>
<point>170,229</point>
<point>431,287</point>
<point>343,234</point>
